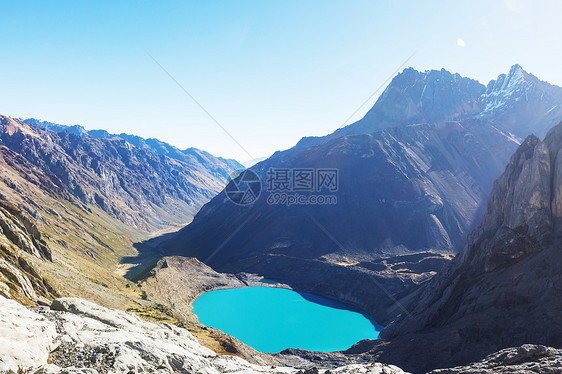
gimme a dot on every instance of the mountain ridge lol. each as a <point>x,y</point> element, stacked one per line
<point>91,200</point>
<point>406,101</point>
<point>187,155</point>
<point>120,178</point>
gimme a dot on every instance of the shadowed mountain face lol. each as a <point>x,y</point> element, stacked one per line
<point>404,189</point>
<point>516,249</point>
<point>401,191</point>
<point>503,289</point>
<point>128,182</point>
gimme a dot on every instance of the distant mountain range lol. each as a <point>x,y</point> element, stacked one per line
<point>252,162</point>
<point>192,156</point>
<point>405,188</point>
<point>124,180</point>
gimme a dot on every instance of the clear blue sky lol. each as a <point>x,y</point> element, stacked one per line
<point>269,71</point>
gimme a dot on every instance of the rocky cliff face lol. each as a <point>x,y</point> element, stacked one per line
<point>20,239</point>
<point>503,289</point>
<point>128,182</point>
<point>516,250</point>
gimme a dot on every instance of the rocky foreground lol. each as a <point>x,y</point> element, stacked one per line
<point>77,336</point>
<point>527,358</point>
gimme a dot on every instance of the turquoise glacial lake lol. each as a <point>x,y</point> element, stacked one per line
<point>273,319</point>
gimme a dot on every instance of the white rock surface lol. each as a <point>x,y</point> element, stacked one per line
<point>373,368</point>
<point>78,336</point>
<point>26,338</point>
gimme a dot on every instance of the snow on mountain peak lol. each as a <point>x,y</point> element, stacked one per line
<point>516,67</point>
<point>507,87</point>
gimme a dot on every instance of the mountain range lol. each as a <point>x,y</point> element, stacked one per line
<point>75,205</point>
<point>408,194</point>
<point>127,181</point>
<point>445,228</point>
<point>220,167</point>
<point>517,102</point>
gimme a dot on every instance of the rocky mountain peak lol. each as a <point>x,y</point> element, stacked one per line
<point>517,102</point>
<point>509,84</point>
<point>553,141</point>
<point>529,193</point>
<point>12,127</point>
<point>521,103</point>
<point>411,75</point>
<point>524,207</point>
<point>517,72</point>
<point>519,209</point>
<point>431,96</point>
